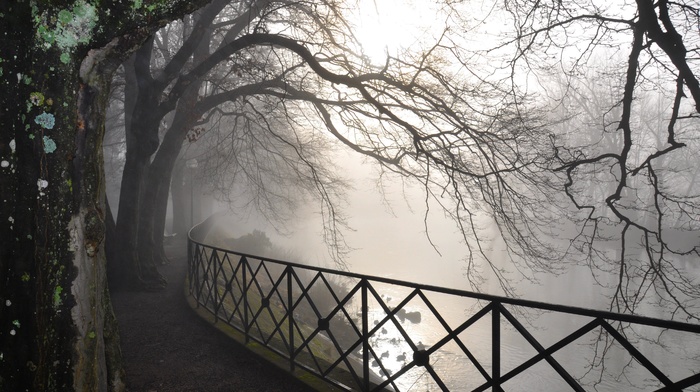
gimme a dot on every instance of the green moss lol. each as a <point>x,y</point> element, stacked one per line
<point>65,17</point>
<point>68,29</point>
<point>57,301</point>
<point>46,120</point>
<point>138,4</point>
<point>46,35</point>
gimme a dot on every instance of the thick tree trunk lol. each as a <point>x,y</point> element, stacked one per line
<point>56,317</point>
<point>133,271</point>
<point>152,218</point>
<point>142,126</point>
<point>110,243</point>
<point>148,254</point>
<point>57,329</point>
<point>160,215</point>
<point>154,196</point>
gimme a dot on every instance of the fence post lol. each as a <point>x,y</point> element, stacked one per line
<point>190,263</point>
<point>218,300</point>
<point>365,337</point>
<point>496,346</point>
<point>290,303</point>
<point>191,270</point>
<point>244,292</point>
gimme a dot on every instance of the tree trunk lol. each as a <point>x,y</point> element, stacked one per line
<point>142,126</point>
<point>56,317</point>
<point>160,214</point>
<point>150,248</point>
<point>110,243</point>
<point>133,271</point>
<point>177,194</point>
<point>154,196</point>
<point>152,218</point>
<point>57,329</point>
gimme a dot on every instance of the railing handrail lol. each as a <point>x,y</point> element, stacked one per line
<point>213,275</point>
<point>579,311</point>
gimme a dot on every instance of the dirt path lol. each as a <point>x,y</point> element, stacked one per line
<point>166,347</point>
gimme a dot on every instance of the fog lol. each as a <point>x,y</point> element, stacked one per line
<point>388,238</point>
<point>558,154</point>
<point>271,151</point>
<point>387,232</point>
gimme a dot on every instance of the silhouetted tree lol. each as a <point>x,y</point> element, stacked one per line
<point>180,85</point>
<point>413,116</point>
<point>641,154</point>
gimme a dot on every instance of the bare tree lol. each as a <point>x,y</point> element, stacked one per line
<point>411,116</point>
<point>179,81</point>
<point>315,54</point>
<point>641,208</point>
<point>267,155</point>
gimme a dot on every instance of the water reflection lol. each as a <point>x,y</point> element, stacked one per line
<point>595,359</point>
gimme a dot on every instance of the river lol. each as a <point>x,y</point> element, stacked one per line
<point>393,244</point>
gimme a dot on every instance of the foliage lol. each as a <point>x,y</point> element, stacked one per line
<point>256,243</point>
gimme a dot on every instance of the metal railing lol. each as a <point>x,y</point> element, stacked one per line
<point>341,327</point>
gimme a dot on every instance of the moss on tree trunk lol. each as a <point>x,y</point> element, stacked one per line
<point>57,329</point>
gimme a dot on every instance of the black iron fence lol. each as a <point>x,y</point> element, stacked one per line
<point>367,333</point>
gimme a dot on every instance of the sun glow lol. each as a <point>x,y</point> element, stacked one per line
<point>388,27</point>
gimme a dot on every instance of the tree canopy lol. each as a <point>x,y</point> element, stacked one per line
<point>470,111</point>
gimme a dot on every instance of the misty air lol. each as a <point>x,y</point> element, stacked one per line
<point>349,195</point>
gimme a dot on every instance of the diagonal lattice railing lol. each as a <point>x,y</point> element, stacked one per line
<point>341,327</point>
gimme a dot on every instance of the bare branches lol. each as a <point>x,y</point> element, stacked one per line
<point>540,156</point>
<point>620,150</point>
<point>670,41</point>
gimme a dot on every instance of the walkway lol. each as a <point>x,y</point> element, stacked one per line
<point>166,347</point>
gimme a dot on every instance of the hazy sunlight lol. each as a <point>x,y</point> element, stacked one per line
<point>388,27</point>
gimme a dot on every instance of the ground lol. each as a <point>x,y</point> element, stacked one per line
<point>167,347</point>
